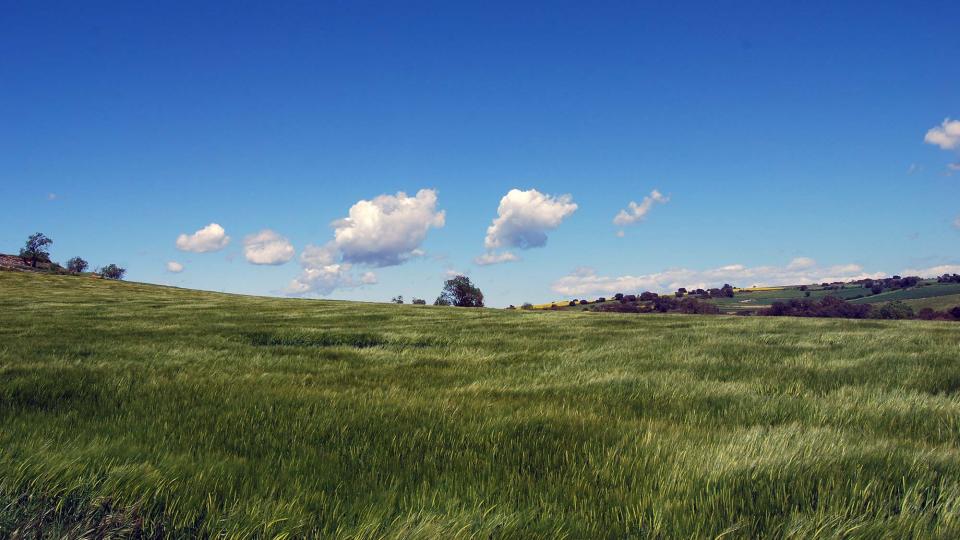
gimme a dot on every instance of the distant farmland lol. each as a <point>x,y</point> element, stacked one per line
<point>928,293</point>
<point>136,410</point>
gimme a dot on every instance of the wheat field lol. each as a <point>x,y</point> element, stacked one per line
<point>131,410</point>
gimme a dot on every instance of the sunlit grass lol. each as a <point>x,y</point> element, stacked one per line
<point>132,409</point>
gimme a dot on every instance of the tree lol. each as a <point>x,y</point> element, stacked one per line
<point>112,271</point>
<point>35,250</point>
<point>460,292</point>
<point>77,265</point>
<point>419,302</point>
<point>526,305</point>
<point>398,299</point>
<point>441,301</point>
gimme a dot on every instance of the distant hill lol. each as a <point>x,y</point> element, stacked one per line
<point>927,293</point>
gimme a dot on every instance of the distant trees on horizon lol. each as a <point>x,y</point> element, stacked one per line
<point>35,252</point>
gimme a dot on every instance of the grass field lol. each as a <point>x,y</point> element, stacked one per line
<point>128,409</point>
<point>940,303</point>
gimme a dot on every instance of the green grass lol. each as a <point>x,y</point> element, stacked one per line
<point>939,303</point>
<point>914,293</point>
<point>132,409</point>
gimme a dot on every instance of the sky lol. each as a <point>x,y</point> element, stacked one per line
<point>360,150</point>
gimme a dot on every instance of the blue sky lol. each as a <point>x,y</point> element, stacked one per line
<point>786,141</point>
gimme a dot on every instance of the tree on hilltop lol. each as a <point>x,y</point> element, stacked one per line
<point>112,271</point>
<point>77,265</point>
<point>460,292</point>
<point>35,250</point>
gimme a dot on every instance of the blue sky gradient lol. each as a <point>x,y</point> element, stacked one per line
<point>777,130</point>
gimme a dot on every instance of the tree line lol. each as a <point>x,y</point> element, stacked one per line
<point>36,254</point>
<point>458,291</point>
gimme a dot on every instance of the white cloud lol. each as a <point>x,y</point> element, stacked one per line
<point>946,135</point>
<point>801,263</point>
<point>322,280</point>
<point>387,230</point>
<point>637,212</point>
<point>495,258</point>
<point>956,222</point>
<point>267,247</point>
<point>52,196</point>
<point>953,167</point>
<point>322,272</point>
<point>932,271</point>
<point>524,217</point>
<point>585,281</point>
<point>174,267</point>
<point>210,238</point>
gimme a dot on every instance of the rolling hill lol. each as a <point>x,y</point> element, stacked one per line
<point>136,410</point>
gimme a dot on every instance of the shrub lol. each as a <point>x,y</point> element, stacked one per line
<point>77,265</point>
<point>694,306</point>
<point>584,302</point>
<point>894,310</point>
<point>526,305</point>
<point>421,302</point>
<point>112,271</point>
<point>618,297</point>
<point>441,301</point>
<point>398,299</point>
<point>828,306</point>
<point>648,296</point>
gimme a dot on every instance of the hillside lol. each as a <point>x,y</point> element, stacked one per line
<point>133,409</point>
<point>926,294</point>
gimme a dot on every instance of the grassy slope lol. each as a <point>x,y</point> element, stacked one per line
<point>939,303</point>
<point>126,406</point>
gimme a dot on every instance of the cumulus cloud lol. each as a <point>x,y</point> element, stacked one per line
<point>524,217</point>
<point>385,231</point>
<point>495,258</point>
<point>323,272</point>
<point>802,270</point>
<point>267,247</point>
<point>946,135</point>
<point>389,229</point>
<point>174,267</point>
<point>637,212</point>
<point>210,238</point>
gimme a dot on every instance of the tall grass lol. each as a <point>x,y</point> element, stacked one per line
<point>135,410</point>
